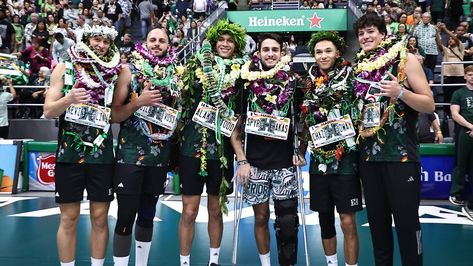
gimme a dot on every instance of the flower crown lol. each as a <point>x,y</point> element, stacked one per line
<point>332,36</point>
<point>104,31</point>
<point>224,26</point>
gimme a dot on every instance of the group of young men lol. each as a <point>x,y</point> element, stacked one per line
<point>223,106</point>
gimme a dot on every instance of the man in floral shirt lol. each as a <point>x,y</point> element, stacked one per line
<point>206,156</point>
<point>145,89</point>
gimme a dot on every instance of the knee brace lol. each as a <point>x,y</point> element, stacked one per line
<point>127,206</point>
<point>327,225</point>
<point>147,211</point>
<point>286,227</point>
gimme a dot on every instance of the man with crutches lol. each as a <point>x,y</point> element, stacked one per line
<point>328,111</point>
<point>268,164</point>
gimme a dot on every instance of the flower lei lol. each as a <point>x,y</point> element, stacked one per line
<point>218,87</point>
<point>372,68</point>
<point>91,72</point>
<point>162,77</point>
<point>324,93</point>
<point>270,90</point>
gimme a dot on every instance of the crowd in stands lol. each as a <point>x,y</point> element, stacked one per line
<point>40,32</point>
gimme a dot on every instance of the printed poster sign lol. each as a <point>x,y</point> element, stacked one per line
<point>267,125</point>
<point>89,115</point>
<point>332,131</point>
<point>161,115</point>
<point>9,65</point>
<point>206,115</point>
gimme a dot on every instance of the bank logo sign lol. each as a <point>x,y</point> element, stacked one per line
<point>290,20</point>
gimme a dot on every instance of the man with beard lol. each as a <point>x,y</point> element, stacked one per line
<point>333,181</point>
<point>268,164</point>
<point>143,146</point>
<point>206,155</point>
<point>84,157</point>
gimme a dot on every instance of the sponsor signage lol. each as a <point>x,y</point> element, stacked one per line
<point>291,20</point>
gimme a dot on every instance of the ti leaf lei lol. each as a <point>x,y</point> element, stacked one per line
<point>161,72</point>
<point>324,93</point>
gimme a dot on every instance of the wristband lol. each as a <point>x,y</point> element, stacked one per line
<point>401,92</point>
<point>242,162</point>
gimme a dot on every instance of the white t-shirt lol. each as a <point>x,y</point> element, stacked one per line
<point>199,6</point>
<point>5,97</point>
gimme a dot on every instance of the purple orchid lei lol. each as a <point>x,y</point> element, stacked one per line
<point>109,75</point>
<point>153,59</point>
<point>375,75</point>
<point>273,86</point>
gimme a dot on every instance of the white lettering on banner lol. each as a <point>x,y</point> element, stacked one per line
<point>275,22</point>
<point>424,175</point>
<point>439,176</point>
<point>48,166</point>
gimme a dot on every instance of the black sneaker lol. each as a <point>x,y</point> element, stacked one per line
<point>468,212</point>
<point>214,264</point>
<point>456,201</point>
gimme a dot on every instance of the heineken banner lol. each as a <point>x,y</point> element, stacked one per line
<point>291,20</point>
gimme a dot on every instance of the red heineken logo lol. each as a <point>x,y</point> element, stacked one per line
<point>45,171</point>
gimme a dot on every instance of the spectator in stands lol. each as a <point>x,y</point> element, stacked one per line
<point>5,98</point>
<point>414,18</point>
<point>79,30</point>
<point>391,26</point>
<point>113,12</point>
<point>232,5</point>
<point>462,112</point>
<point>8,36</point>
<point>171,22</point>
<point>453,52</point>
<point>126,44</point>
<point>68,13</point>
<point>37,56</point>
<point>124,22</point>
<point>199,7</point>
<point>305,5</point>
<point>179,39</point>
<point>330,4</point>
<point>437,9</point>
<point>182,7</point>
<point>147,10</point>
<point>101,19</point>
<point>185,23</point>
<point>429,128</point>
<point>425,33</point>
<point>48,7</point>
<point>250,44</point>
<point>464,38</point>
<point>41,33</point>
<point>292,44</point>
<point>401,30</point>
<point>64,29</point>
<point>60,46</point>
<point>380,11</point>
<point>193,31</point>
<point>402,18</point>
<point>30,27</point>
<point>19,34</point>
<point>51,26</point>
<point>408,6</point>
<point>95,8</point>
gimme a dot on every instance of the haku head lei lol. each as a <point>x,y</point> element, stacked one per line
<point>332,36</point>
<point>96,30</point>
<point>224,26</point>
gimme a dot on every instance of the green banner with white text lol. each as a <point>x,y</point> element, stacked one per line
<point>291,20</point>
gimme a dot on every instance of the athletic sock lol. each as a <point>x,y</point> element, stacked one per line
<point>346,264</point>
<point>265,259</point>
<point>332,260</point>
<point>72,263</point>
<point>185,260</point>
<point>214,253</point>
<point>97,262</point>
<point>121,261</point>
<point>142,253</point>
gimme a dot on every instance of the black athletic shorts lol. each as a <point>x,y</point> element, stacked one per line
<point>193,184</point>
<point>342,191</point>
<point>73,178</point>
<point>130,179</point>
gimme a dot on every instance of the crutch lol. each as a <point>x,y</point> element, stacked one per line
<point>237,217</point>
<point>301,189</point>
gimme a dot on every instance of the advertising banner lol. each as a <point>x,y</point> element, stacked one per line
<point>291,20</point>
<point>9,163</point>
<point>41,167</point>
